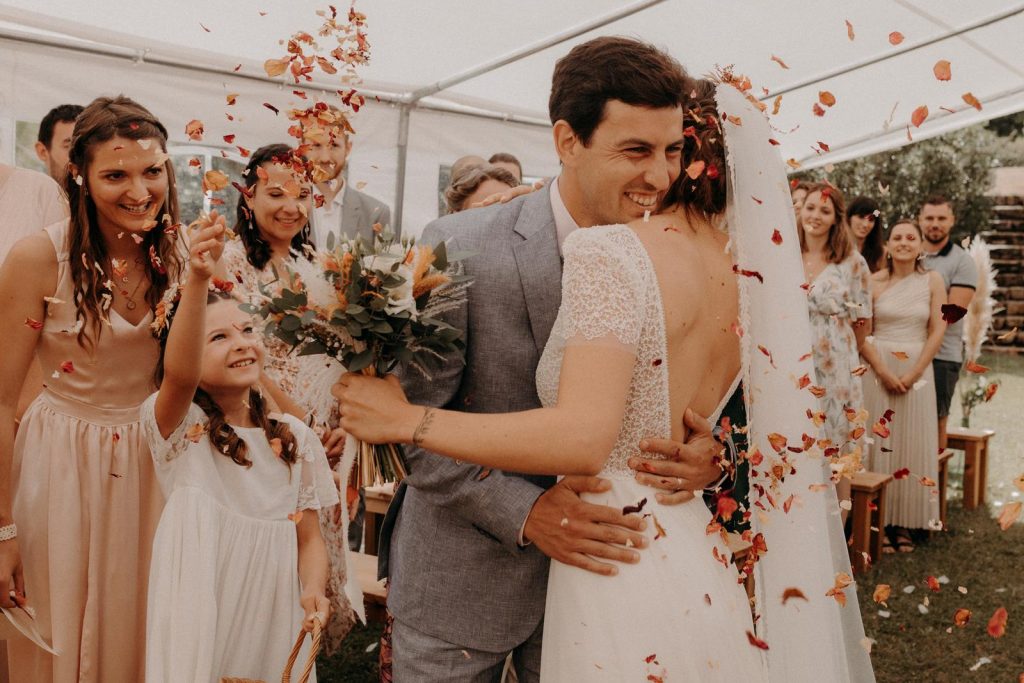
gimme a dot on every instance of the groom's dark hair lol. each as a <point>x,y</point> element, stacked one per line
<point>612,68</point>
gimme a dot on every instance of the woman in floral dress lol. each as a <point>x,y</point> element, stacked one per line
<point>839,300</point>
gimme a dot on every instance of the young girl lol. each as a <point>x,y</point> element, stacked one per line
<point>273,229</point>
<point>238,561</point>
<point>78,300</point>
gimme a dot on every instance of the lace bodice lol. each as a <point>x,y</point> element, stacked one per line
<point>903,309</point>
<point>610,297</point>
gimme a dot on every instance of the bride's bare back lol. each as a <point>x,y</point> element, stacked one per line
<point>700,299</point>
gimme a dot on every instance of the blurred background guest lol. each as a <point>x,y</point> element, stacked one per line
<point>798,190</point>
<point>866,228</point>
<point>462,164</point>
<point>906,333</point>
<point>509,163</point>
<point>958,271</point>
<point>55,139</point>
<point>476,183</point>
<point>346,212</point>
<point>840,308</point>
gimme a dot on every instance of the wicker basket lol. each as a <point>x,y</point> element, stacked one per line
<point>286,676</point>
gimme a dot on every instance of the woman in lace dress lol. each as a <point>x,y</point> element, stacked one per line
<point>906,334</point>
<point>239,565</point>
<point>624,334</point>
<point>273,232</point>
<point>77,300</point>
<point>840,307</point>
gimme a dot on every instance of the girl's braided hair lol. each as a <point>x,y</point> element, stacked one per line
<point>222,435</point>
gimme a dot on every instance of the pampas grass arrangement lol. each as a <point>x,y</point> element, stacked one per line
<point>978,321</point>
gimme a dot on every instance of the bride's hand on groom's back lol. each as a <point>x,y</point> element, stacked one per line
<point>584,535</point>
<point>689,467</point>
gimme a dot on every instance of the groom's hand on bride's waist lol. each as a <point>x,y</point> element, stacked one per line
<point>685,467</point>
<point>567,529</point>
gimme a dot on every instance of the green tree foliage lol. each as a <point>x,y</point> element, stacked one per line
<point>955,165</point>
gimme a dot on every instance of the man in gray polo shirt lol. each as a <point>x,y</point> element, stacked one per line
<point>961,276</point>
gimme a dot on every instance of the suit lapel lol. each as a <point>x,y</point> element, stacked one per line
<point>351,216</point>
<point>539,264</point>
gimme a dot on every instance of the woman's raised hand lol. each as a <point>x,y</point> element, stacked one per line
<point>207,243</point>
<point>375,410</point>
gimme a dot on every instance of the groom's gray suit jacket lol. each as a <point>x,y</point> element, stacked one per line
<point>449,542</point>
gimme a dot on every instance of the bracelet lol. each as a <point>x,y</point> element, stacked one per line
<point>422,427</point>
<point>8,532</point>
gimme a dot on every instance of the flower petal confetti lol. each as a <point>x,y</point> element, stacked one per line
<point>1009,515</point>
<point>942,70</point>
<point>895,38</point>
<point>951,313</point>
<point>997,624</point>
<point>918,116</point>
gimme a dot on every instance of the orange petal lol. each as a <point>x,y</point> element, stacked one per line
<point>919,115</point>
<point>694,170</point>
<point>1009,515</point>
<point>971,100</point>
<point>826,98</point>
<point>942,70</point>
<point>997,624</point>
<point>275,67</point>
<point>895,38</point>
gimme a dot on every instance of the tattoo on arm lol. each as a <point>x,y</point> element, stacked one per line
<point>423,427</point>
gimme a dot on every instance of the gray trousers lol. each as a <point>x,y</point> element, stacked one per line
<point>421,658</point>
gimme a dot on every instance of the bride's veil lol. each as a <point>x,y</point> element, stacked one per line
<point>810,636</point>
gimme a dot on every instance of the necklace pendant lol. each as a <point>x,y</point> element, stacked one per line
<point>130,305</point>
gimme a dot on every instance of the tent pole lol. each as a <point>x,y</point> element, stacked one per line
<point>531,49</point>
<point>403,155</point>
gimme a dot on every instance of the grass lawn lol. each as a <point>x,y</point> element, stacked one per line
<point>918,645</point>
<point>912,644</point>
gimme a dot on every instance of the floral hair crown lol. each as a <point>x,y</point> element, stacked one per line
<point>165,309</point>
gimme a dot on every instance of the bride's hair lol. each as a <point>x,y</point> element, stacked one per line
<point>702,141</point>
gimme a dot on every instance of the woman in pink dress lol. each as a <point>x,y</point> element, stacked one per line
<point>79,297</point>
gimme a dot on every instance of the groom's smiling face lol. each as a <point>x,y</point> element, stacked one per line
<point>631,160</point>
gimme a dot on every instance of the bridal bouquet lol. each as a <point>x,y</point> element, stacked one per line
<point>371,307</point>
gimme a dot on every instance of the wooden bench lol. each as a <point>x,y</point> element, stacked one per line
<point>867,491</point>
<point>974,444</point>
<point>944,458</point>
<point>378,498</point>
<point>374,592</point>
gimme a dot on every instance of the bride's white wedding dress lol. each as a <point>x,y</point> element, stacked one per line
<point>680,614</point>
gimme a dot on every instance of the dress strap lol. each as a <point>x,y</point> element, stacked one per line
<point>58,233</point>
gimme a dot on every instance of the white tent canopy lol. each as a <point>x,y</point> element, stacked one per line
<point>179,60</point>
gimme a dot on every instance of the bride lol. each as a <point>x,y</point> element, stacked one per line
<point>658,317</point>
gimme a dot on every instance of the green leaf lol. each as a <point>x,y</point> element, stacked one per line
<point>361,361</point>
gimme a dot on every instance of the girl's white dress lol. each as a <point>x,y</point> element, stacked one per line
<point>224,586</point>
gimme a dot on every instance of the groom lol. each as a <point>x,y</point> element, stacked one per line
<point>466,549</point>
